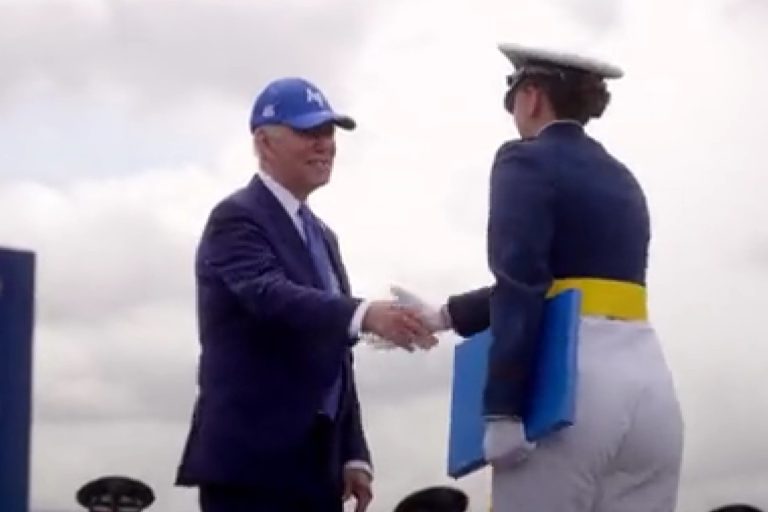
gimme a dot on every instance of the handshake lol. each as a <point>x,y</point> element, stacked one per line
<point>407,322</point>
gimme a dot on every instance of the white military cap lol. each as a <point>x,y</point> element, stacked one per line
<point>526,58</point>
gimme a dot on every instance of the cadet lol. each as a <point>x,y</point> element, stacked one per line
<point>565,213</point>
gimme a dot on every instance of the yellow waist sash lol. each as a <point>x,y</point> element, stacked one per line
<point>605,297</point>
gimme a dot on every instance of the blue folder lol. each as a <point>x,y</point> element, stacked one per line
<point>553,399</point>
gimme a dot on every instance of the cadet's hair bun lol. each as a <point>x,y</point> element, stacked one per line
<point>594,95</point>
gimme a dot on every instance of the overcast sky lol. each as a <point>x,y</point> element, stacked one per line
<point>123,122</point>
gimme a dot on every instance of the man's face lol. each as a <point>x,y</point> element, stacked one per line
<point>301,160</point>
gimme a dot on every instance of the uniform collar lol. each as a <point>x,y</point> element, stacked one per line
<point>561,127</point>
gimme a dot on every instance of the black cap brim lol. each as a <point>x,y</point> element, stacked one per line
<point>315,119</point>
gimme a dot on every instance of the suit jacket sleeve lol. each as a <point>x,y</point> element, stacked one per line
<point>470,312</point>
<point>354,444</point>
<point>520,231</point>
<point>238,251</point>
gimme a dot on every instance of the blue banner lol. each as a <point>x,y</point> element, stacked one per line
<point>17,275</point>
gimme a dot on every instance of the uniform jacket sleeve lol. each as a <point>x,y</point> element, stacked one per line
<point>470,311</point>
<point>520,232</point>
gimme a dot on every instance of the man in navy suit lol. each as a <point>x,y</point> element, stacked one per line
<point>277,425</point>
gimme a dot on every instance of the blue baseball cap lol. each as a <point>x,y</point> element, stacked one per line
<point>297,103</point>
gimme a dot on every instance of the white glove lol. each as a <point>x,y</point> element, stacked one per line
<point>505,444</point>
<point>433,317</point>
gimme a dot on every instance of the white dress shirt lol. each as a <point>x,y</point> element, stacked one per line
<point>291,206</point>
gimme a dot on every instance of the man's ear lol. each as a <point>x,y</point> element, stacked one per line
<point>262,141</point>
<point>259,138</point>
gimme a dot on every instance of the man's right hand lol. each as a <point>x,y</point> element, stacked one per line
<point>399,324</point>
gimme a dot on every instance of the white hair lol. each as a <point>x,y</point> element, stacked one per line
<point>270,131</point>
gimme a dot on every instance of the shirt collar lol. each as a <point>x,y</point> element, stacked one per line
<point>283,195</point>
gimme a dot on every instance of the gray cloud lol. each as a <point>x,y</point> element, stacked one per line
<point>171,50</point>
<point>137,364</point>
<point>111,245</point>
<point>390,375</point>
<point>599,16</point>
<point>736,10</point>
<point>101,88</point>
<point>759,254</point>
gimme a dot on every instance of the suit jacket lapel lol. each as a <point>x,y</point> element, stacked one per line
<point>282,228</point>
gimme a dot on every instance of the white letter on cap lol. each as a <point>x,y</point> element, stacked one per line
<point>315,96</point>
